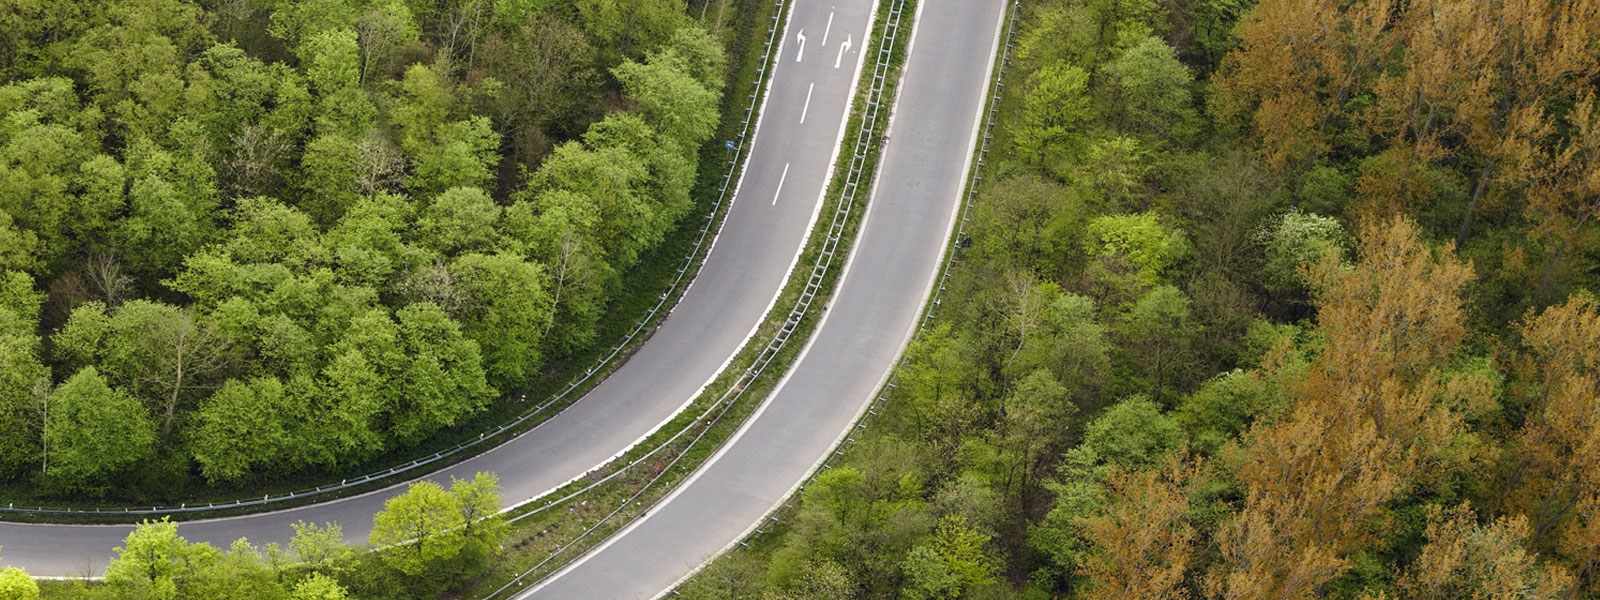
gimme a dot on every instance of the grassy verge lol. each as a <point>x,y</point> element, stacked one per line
<point>729,571</point>
<point>548,534</point>
<point>744,30</point>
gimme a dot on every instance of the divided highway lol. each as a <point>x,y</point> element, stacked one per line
<point>801,126</point>
<point>874,312</point>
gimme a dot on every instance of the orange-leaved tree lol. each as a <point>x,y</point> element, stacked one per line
<point>1553,477</point>
<point>1376,414</point>
<point>1140,546</point>
<point>1297,64</point>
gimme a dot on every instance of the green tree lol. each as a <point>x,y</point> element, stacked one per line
<point>1071,343</point>
<point>15,584</point>
<point>19,248</point>
<point>953,562</point>
<point>245,428</point>
<point>1224,406</point>
<point>1157,333</point>
<point>24,380</point>
<point>463,155</point>
<point>155,563</point>
<point>368,243</point>
<point>383,30</point>
<point>694,51</point>
<point>430,530</point>
<point>165,355</point>
<point>1150,92</point>
<point>865,516</point>
<point>327,179</point>
<point>612,179</point>
<point>238,573</point>
<point>624,27</point>
<point>161,228</point>
<point>507,310</point>
<point>671,172</point>
<point>422,108</point>
<point>483,528</point>
<point>1295,245</point>
<point>94,432</point>
<point>442,379</point>
<point>1056,110</point>
<point>1034,415</point>
<point>265,231</point>
<point>419,529</point>
<point>296,22</point>
<point>1088,32</point>
<point>939,382</point>
<point>1131,435</point>
<point>547,67</point>
<point>1029,222</point>
<point>333,68</point>
<point>318,587</point>
<point>39,164</point>
<point>822,580</point>
<point>1150,245</point>
<point>349,402</point>
<point>681,107</point>
<point>557,228</point>
<point>461,219</point>
<point>101,199</point>
<point>132,62</point>
<point>317,547</point>
<point>172,204</point>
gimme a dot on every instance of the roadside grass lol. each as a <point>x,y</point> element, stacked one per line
<point>743,30</point>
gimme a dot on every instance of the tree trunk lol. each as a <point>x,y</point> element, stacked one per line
<point>172,400</point>
<point>1472,205</point>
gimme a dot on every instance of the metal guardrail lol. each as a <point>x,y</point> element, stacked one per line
<point>863,147</point>
<point>737,152</point>
<point>932,308</point>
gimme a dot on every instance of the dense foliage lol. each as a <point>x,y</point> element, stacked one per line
<point>1265,299</point>
<point>242,239</point>
<point>423,543</point>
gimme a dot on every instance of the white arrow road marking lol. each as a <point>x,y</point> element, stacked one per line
<point>830,28</point>
<point>780,184</point>
<point>842,48</point>
<point>802,35</point>
<point>807,107</point>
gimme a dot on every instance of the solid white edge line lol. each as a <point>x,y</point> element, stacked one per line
<point>872,18</point>
<point>955,212</point>
<point>756,129</point>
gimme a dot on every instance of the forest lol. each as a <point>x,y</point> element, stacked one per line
<point>1263,299</point>
<point>247,240</point>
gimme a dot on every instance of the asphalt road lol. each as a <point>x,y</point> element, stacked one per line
<point>875,309</point>
<point>799,131</point>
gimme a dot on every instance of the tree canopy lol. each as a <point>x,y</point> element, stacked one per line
<point>245,241</point>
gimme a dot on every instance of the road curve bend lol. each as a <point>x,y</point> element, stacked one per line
<point>875,310</point>
<point>801,125</point>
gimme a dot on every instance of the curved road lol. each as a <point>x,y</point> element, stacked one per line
<point>779,194</point>
<point>873,314</point>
